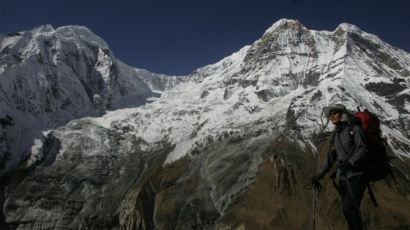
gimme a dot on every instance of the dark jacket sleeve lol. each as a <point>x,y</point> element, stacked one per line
<point>328,163</point>
<point>359,151</point>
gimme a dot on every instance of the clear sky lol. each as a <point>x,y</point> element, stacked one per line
<point>175,37</point>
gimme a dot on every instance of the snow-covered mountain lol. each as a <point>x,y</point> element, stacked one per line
<point>282,81</point>
<point>50,76</point>
<point>113,146</point>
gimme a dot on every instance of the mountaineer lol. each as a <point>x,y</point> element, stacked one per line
<point>348,149</point>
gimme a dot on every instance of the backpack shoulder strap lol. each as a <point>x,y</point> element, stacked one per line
<point>332,141</point>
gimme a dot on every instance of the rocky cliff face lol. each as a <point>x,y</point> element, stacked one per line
<point>232,146</point>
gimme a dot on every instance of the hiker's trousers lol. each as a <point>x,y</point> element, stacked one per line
<point>351,192</point>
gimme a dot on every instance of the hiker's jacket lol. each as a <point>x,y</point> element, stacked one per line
<point>347,145</point>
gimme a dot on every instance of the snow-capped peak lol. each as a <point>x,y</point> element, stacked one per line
<point>281,23</point>
<point>81,33</point>
<point>349,27</point>
<point>43,29</point>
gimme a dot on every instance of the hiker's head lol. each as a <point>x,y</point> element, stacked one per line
<point>335,116</point>
<point>336,113</point>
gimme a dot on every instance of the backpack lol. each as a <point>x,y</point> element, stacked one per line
<point>378,165</point>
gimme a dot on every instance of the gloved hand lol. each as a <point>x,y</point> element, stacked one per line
<point>315,182</point>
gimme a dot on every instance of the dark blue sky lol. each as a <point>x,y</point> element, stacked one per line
<point>175,37</point>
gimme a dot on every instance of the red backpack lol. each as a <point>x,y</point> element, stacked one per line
<point>378,161</point>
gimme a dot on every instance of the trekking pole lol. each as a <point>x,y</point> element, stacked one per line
<point>314,207</point>
<point>317,187</point>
